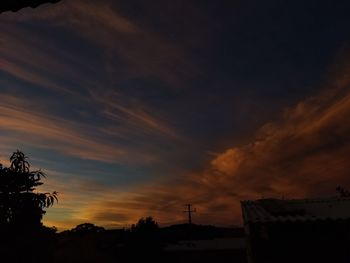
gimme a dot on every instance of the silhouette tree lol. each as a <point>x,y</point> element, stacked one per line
<point>20,207</point>
<point>146,239</point>
<point>87,228</point>
<point>342,192</point>
<point>145,226</point>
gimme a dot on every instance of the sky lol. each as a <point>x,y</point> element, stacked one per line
<point>136,108</point>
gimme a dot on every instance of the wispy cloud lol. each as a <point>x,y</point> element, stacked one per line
<point>117,107</point>
<point>25,124</point>
<point>128,47</point>
<point>40,61</point>
<point>304,154</point>
<point>68,70</point>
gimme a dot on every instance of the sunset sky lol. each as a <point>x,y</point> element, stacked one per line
<point>135,108</point>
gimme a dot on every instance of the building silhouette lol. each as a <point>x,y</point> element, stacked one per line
<point>299,230</point>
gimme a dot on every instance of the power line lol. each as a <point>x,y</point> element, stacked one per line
<point>189,211</point>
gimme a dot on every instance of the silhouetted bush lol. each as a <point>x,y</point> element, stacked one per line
<point>145,226</point>
<point>87,228</point>
<point>22,235</point>
<point>144,241</point>
<point>20,208</point>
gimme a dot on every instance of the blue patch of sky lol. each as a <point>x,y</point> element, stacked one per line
<point>120,175</point>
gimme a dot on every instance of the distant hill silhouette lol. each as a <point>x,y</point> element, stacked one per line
<point>15,5</point>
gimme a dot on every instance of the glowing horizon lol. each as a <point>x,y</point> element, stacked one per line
<point>135,109</point>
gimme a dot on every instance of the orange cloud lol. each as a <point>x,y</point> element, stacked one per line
<point>304,154</point>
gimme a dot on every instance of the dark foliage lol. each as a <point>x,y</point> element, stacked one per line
<point>343,192</point>
<point>22,235</point>
<point>20,207</point>
<point>87,228</point>
<point>145,226</point>
<point>145,239</point>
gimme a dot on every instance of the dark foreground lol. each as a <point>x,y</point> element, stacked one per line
<point>238,256</point>
<point>104,246</point>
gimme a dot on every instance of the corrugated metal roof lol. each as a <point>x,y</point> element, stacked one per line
<point>295,210</point>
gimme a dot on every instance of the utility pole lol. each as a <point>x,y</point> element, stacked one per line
<point>189,211</point>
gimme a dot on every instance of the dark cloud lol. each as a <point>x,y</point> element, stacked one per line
<point>304,154</point>
<point>163,103</point>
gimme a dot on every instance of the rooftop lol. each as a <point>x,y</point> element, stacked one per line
<point>295,210</point>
